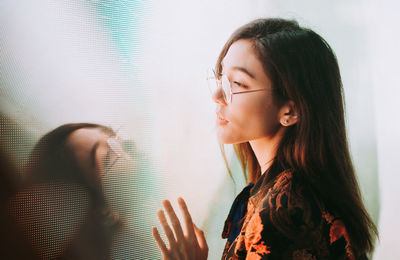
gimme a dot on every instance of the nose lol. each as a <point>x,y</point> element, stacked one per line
<point>219,97</point>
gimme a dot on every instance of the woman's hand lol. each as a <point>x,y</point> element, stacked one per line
<point>193,245</point>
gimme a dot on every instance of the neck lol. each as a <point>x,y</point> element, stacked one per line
<point>265,150</point>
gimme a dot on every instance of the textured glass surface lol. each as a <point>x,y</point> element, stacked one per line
<point>139,67</point>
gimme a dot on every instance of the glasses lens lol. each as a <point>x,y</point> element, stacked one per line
<point>212,81</point>
<point>115,152</point>
<point>226,86</point>
<point>215,83</point>
<point>115,146</point>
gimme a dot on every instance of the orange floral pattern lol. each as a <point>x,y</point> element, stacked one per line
<point>338,230</point>
<point>288,224</point>
<point>253,232</point>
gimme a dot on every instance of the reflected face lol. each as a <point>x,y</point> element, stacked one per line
<point>90,148</point>
<point>249,116</point>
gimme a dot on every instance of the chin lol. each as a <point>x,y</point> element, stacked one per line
<point>225,138</point>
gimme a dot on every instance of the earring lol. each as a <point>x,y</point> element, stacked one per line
<point>285,122</point>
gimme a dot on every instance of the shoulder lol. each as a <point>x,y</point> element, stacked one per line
<point>286,222</point>
<point>280,220</point>
<point>288,205</point>
<point>293,222</point>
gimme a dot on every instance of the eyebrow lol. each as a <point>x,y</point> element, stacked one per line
<point>242,69</point>
<point>93,153</point>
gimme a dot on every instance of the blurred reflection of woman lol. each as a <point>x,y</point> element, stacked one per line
<point>63,210</point>
<point>278,92</point>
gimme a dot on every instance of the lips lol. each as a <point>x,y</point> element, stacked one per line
<point>221,118</point>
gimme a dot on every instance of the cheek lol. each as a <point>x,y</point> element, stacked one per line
<point>100,160</point>
<point>249,121</point>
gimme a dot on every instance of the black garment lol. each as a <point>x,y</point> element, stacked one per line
<point>285,222</point>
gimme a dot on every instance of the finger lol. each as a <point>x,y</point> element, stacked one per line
<point>160,242</point>
<point>176,224</point>
<point>201,239</point>
<point>188,219</point>
<point>167,230</point>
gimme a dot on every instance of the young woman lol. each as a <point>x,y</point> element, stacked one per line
<point>279,102</point>
<point>65,169</point>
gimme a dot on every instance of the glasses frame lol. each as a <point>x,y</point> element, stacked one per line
<point>114,146</point>
<point>220,83</point>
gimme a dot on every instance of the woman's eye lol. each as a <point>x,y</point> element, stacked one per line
<point>237,84</point>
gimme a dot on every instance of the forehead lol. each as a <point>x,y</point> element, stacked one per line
<point>242,54</point>
<point>85,138</point>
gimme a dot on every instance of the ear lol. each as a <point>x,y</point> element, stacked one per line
<point>288,115</point>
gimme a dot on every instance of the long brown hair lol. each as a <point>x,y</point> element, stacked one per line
<point>52,160</point>
<point>303,68</point>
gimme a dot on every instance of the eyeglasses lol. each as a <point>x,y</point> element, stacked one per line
<point>114,153</point>
<point>221,81</point>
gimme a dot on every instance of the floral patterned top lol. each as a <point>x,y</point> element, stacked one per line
<point>304,231</point>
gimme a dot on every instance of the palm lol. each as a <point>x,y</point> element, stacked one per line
<point>191,245</point>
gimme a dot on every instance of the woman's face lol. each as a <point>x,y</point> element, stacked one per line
<point>249,116</point>
<point>89,147</point>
